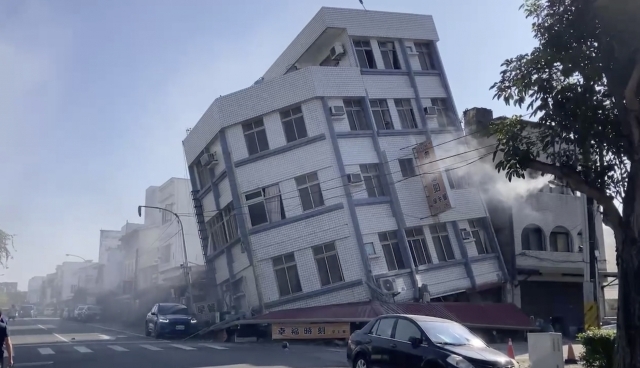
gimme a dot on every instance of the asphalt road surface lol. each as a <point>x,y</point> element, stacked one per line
<point>51,342</point>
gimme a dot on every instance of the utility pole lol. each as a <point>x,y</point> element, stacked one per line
<point>591,279</point>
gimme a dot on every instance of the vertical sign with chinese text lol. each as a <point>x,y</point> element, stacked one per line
<point>310,331</point>
<point>432,179</point>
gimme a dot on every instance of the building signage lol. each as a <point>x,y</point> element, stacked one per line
<point>310,331</point>
<point>432,179</point>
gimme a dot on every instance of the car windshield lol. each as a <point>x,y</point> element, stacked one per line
<point>450,333</point>
<point>172,309</point>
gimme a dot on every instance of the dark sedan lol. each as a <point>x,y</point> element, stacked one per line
<point>167,319</point>
<point>418,341</point>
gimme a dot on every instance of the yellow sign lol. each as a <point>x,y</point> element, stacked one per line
<point>310,331</point>
<point>591,319</point>
<point>432,179</point>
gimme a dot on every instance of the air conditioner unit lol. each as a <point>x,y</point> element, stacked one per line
<point>336,52</point>
<point>337,110</point>
<point>431,111</point>
<point>209,159</point>
<point>354,178</point>
<point>466,234</point>
<point>388,285</point>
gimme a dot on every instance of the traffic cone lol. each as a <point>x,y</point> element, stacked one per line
<point>510,353</point>
<point>571,355</point>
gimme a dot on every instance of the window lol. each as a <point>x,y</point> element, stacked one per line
<point>407,168</point>
<point>442,110</point>
<point>418,246</point>
<point>355,115</point>
<point>364,54</point>
<point>223,228</point>
<point>372,181</point>
<point>381,114</point>
<point>167,216</point>
<point>479,236</point>
<point>293,124</point>
<point>370,249</point>
<point>456,179</point>
<point>406,329</point>
<point>405,111</point>
<point>425,56</point>
<point>391,250</point>
<point>328,264</point>
<point>265,205</point>
<point>165,253</point>
<point>389,55</point>
<point>204,179</point>
<point>559,240</point>
<point>255,136</point>
<point>309,191</point>
<point>441,242</point>
<point>532,238</point>
<point>385,327</point>
<point>287,274</point>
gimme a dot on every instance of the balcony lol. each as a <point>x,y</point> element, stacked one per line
<point>554,262</point>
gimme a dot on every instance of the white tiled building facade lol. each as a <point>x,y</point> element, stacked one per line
<point>281,223</point>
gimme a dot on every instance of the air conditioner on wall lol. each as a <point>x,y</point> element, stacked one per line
<point>389,285</point>
<point>354,178</point>
<point>337,110</point>
<point>336,52</point>
<point>209,159</point>
<point>430,111</point>
<point>466,234</point>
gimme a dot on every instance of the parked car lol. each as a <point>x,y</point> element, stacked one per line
<point>48,312</point>
<point>78,312</point>
<point>89,313</point>
<point>418,341</point>
<point>27,311</point>
<point>169,319</point>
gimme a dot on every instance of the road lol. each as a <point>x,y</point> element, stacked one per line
<point>51,342</point>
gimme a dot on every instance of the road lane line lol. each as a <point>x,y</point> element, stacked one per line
<point>83,349</point>
<point>116,330</point>
<point>150,347</point>
<point>184,347</point>
<point>117,348</point>
<point>42,327</point>
<point>60,337</point>
<point>45,351</point>
<point>31,364</point>
<point>218,347</point>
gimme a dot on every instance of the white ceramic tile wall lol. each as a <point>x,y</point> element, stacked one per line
<point>351,295</point>
<point>376,219</point>
<point>225,193</point>
<point>486,271</point>
<point>222,271</point>
<point>388,86</point>
<point>445,280</point>
<point>430,86</point>
<point>209,206</point>
<point>356,151</point>
<point>240,260</point>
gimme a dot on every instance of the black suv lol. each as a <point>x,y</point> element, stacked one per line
<point>418,341</point>
<point>169,319</point>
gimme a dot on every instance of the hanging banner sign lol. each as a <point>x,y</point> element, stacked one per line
<point>310,331</point>
<point>432,179</point>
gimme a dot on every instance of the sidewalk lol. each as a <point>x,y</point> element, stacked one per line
<point>521,350</point>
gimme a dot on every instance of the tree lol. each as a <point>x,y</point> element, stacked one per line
<point>582,82</point>
<point>5,248</point>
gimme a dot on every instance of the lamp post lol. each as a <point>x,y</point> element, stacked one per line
<point>187,273</point>
<point>73,255</point>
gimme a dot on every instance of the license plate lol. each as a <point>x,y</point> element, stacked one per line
<point>179,327</point>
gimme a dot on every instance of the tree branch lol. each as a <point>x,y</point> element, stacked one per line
<point>575,181</point>
<point>632,103</point>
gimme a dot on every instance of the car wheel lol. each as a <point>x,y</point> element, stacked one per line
<point>360,361</point>
<point>156,334</point>
<point>146,329</point>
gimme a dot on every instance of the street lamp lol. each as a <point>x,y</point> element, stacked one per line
<point>187,273</point>
<point>73,255</point>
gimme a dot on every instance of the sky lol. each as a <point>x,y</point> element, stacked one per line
<point>96,97</point>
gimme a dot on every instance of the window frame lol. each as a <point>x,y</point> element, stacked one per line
<point>355,115</point>
<point>553,235</point>
<point>389,246</point>
<point>479,235</point>
<point>407,167</point>
<point>291,121</point>
<point>307,186</point>
<point>204,176</point>
<point>425,51</point>
<point>407,115</point>
<point>440,235</point>
<point>324,257</point>
<point>285,265</point>
<point>389,53</point>
<point>414,237</point>
<point>442,111</point>
<point>381,112</point>
<point>375,179</point>
<point>252,134</point>
<point>363,49</point>
<point>222,226</point>
<point>263,200</point>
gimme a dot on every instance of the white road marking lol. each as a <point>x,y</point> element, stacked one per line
<point>150,347</point>
<point>60,337</point>
<point>45,351</point>
<point>105,337</point>
<point>117,348</point>
<point>83,349</point>
<point>42,327</point>
<point>31,364</point>
<point>116,330</point>
<point>217,347</point>
<point>184,347</point>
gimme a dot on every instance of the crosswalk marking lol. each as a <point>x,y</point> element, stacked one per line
<point>150,347</point>
<point>45,351</point>
<point>83,349</point>
<point>218,347</point>
<point>183,347</point>
<point>117,348</point>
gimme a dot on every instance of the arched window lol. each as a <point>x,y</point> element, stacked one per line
<point>560,239</point>
<point>532,238</point>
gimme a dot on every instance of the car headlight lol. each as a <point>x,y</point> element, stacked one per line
<point>193,320</point>
<point>163,319</point>
<point>458,362</point>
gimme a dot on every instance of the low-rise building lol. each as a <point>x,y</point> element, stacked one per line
<point>34,289</point>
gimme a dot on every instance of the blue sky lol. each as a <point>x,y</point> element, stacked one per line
<point>95,97</point>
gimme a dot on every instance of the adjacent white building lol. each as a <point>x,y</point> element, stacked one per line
<point>67,279</point>
<point>34,289</point>
<point>306,187</point>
